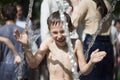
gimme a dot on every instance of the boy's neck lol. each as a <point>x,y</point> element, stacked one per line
<point>62,47</point>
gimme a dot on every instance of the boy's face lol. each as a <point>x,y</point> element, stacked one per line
<point>58,34</point>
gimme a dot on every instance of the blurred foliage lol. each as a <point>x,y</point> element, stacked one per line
<point>116,12</point>
<point>25,4</point>
<point>117,9</point>
<point>37,3</point>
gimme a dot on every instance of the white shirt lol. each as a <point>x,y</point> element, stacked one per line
<point>22,23</point>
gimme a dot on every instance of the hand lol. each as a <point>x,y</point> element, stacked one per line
<point>17,59</point>
<point>22,38</point>
<point>97,56</point>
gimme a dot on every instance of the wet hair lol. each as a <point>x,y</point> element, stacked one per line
<point>102,7</point>
<point>55,18</point>
<point>9,12</point>
<point>116,21</point>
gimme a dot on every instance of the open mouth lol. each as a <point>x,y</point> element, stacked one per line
<point>61,40</point>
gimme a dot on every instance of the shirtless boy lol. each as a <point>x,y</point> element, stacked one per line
<point>56,49</point>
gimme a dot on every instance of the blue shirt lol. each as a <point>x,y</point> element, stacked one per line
<point>9,70</point>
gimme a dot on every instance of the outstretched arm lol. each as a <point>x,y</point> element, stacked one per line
<point>17,58</point>
<point>96,57</point>
<point>32,60</point>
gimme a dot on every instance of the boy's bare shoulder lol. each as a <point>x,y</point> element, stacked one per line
<point>46,43</point>
<point>48,40</point>
<point>78,42</point>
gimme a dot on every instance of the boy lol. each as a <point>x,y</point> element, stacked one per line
<point>55,48</point>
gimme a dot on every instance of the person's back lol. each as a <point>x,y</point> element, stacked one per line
<point>87,13</point>
<point>90,13</point>
<point>8,70</point>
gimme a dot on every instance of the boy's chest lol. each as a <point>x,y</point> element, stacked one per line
<point>59,62</point>
<point>59,55</point>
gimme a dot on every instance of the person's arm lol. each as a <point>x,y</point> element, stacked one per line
<point>6,41</point>
<point>79,12</point>
<point>96,57</point>
<point>32,60</point>
<point>9,44</point>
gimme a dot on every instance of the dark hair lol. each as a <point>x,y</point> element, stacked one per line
<point>116,21</point>
<point>103,9</point>
<point>19,5</point>
<point>9,12</point>
<point>55,17</point>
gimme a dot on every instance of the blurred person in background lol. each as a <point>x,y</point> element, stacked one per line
<point>89,13</point>
<point>9,70</point>
<point>21,19</point>
<point>117,49</point>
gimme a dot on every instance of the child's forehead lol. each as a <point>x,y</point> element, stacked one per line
<point>56,24</point>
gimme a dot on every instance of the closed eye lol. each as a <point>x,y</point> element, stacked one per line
<point>55,32</point>
<point>62,31</point>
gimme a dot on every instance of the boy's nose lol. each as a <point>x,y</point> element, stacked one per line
<point>59,35</point>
